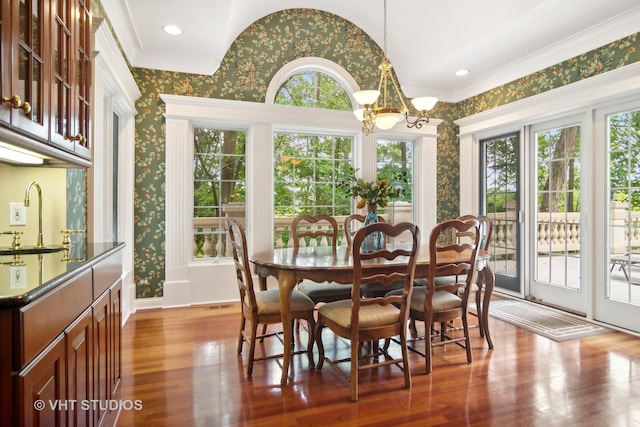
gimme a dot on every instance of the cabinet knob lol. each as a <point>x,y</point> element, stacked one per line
<point>16,102</point>
<point>79,137</point>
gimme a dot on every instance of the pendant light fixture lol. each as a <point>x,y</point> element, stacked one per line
<point>376,111</point>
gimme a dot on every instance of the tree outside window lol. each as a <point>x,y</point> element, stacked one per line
<point>219,187</point>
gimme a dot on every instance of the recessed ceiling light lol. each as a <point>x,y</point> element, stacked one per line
<point>172,29</point>
<point>462,72</point>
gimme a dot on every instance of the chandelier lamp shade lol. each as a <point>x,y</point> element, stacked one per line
<point>376,110</point>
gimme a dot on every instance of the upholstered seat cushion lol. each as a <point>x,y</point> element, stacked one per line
<point>442,300</point>
<point>325,291</point>
<point>370,315</point>
<point>269,301</point>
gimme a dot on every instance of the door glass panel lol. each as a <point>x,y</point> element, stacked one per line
<point>501,205</point>
<point>624,207</point>
<point>558,207</point>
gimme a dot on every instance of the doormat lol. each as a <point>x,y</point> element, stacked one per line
<point>545,321</point>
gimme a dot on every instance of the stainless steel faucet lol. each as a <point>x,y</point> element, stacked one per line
<point>40,241</point>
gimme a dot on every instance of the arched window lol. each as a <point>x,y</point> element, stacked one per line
<point>313,89</point>
<point>310,167</point>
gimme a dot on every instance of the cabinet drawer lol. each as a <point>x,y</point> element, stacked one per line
<point>105,273</point>
<point>43,320</point>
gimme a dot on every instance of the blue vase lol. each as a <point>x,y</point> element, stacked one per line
<point>374,241</point>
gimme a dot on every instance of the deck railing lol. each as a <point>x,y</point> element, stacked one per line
<point>557,232</point>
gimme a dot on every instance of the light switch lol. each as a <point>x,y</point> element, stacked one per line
<point>17,214</point>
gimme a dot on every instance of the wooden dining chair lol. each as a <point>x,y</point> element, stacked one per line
<point>369,319</point>
<point>486,231</point>
<point>262,307</point>
<point>448,301</point>
<point>325,229</point>
<point>352,224</point>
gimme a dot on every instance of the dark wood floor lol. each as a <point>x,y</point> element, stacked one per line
<point>182,365</point>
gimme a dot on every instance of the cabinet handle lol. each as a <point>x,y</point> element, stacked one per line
<point>16,102</point>
<point>79,137</point>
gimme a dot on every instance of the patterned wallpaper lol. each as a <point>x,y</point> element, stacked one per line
<point>244,74</point>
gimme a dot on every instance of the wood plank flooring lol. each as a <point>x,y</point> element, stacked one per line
<point>182,365</point>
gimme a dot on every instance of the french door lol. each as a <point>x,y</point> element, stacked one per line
<point>617,300</point>
<point>500,196</point>
<point>554,214</point>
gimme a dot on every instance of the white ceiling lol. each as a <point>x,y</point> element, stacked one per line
<point>427,40</point>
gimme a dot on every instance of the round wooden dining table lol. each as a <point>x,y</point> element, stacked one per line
<point>322,264</point>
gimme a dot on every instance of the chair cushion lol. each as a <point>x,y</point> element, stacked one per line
<point>269,301</point>
<point>325,291</point>
<point>370,315</point>
<point>442,300</point>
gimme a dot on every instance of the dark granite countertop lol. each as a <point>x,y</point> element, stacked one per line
<point>26,277</point>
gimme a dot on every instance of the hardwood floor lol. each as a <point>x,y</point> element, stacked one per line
<point>182,365</point>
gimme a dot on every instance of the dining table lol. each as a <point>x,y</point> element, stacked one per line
<point>323,264</point>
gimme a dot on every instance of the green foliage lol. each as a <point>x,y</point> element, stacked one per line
<point>377,192</point>
<point>314,89</point>
<point>624,158</point>
<point>218,170</point>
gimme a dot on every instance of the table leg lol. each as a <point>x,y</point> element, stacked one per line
<point>286,283</point>
<point>489,280</point>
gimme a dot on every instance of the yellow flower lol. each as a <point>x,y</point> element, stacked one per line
<point>361,203</point>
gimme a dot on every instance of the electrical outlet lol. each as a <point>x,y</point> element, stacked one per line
<point>17,214</point>
<point>18,277</point>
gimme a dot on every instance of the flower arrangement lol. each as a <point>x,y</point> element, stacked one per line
<point>377,193</point>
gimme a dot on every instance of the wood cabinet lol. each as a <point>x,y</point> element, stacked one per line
<point>46,68</point>
<point>60,363</point>
<point>43,384</point>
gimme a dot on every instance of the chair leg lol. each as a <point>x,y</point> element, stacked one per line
<point>412,327</point>
<point>311,339</point>
<point>354,372</point>
<point>427,352</point>
<point>405,359</point>
<point>252,348</point>
<point>467,340</point>
<point>241,335</point>
<point>317,333</point>
<point>479,309</point>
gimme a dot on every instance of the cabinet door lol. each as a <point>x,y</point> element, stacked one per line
<point>62,130</point>
<point>116,337</point>
<point>80,369</point>
<point>102,389</point>
<point>30,66</point>
<point>42,385</point>
<point>82,80</point>
<point>5,59</point>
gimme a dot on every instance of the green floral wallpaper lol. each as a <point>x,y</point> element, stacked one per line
<point>244,74</point>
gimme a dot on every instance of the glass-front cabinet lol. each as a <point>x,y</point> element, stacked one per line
<point>46,66</point>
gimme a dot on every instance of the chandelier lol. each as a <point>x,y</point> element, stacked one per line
<point>377,112</point>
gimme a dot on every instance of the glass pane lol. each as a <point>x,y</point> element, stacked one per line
<point>307,178</point>
<point>624,207</point>
<point>34,92</point>
<point>219,188</point>
<point>35,29</point>
<point>23,13</point>
<point>558,209</point>
<point>501,205</point>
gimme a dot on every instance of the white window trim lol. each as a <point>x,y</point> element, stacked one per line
<point>114,91</point>
<point>188,282</point>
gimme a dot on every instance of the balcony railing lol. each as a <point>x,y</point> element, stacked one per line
<point>557,232</point>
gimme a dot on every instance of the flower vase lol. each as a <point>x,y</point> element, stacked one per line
<point>374,241</point>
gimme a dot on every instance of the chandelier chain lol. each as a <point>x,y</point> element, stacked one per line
<point>385,29</point>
